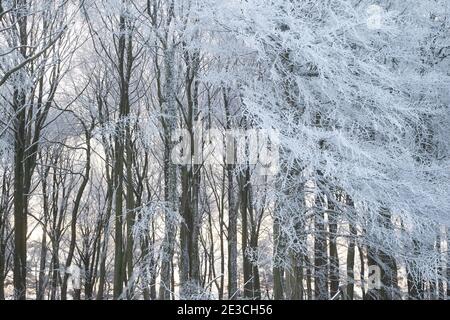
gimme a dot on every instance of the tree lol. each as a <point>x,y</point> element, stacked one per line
<point>257,149</point>
<point>32,82</point>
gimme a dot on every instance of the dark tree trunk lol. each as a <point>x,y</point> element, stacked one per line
<point>387,267</point>
<point>232,238</point>
<point>278,273</point>
<point>232,210</point>
<point>247,265</point>
<point>124,52</point>
<point>440,271</point>
<point>448,264</point>
<point>320,253</point>
<point>334,258</point>
<point>4,217</point>
<point>130,214</point>
<point>20,201</point>
<point>351,262</point>
<point>75,210</point>
<point>20,169</point>
<point>351,254</point>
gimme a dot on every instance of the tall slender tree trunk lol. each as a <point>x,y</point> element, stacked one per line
<point>255,270</point>
<point>351,244</point>
<point>448,263</point>
<point>334,257</point>
<point>294,277</point>
<point>125,60</point>
<point>278,269</point>
<point>351,262</point>
<point>104,243</point>
<point>221,236</point>
<point>256,218</point>
<point>232,237</point>
<point>165,287</point>
<point>20,199</point>
<point>294,269</point>
<point>191,178</point>
<point>4,215</point>
<point>2,271</point>
<point>386,265</point>
<point>130,214</point>
<point>362,263</point>
<point>118,239</point>
<point>170,180</point>
<point>55,269</point>
<point>185,230</point>
<point>43,257</point>
<point>440,281</point>
<point>232,206</point>
<point>244,204</point>
<point>75,211</point>
<point>320,253</point>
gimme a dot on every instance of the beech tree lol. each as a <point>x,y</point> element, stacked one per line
<point>213,149</point>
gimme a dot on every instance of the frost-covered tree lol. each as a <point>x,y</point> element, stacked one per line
<point>353,92</point>
<point>35,56</point>
<point>128,162</point>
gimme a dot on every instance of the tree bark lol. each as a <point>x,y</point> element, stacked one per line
<point>387,266</point>
<point>320,252</point>
<point>334,258</point>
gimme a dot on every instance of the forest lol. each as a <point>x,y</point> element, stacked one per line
<point>225,149</point>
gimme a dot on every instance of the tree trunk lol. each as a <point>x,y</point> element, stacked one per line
<point>386,265</point>
<point>167,251</point>
<point>320,253</point>
<point>232,237</point>
<point>75,210</point>
<point>20,199</point>
<point>124,68</point>
<point>170,176</point>
<point>244,203</point>
<point>104,244</point>
<point>4,210</point>
<point>278,291</point>
<point>334,258</point>
<point>440,281</point>
<point>448,263</point>
<point>130,214</point>
<point>351,262</point>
